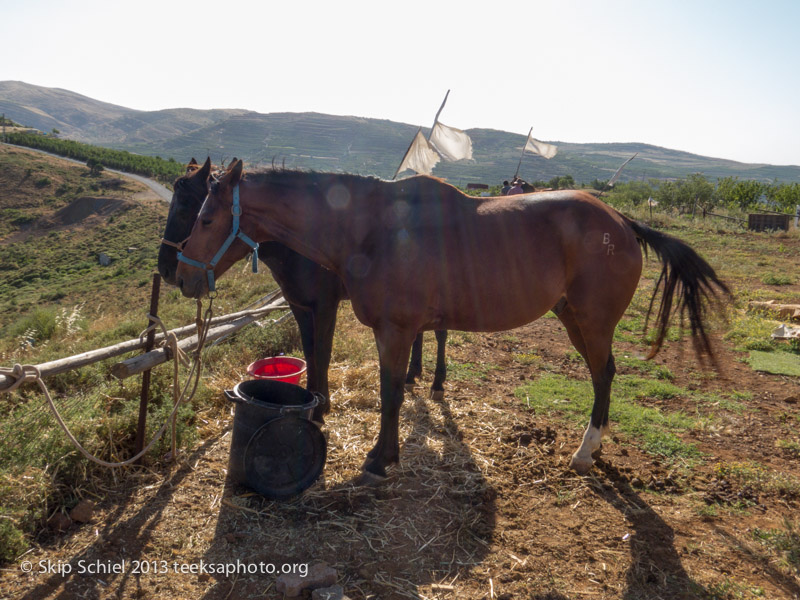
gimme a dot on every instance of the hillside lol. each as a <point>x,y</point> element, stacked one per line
<point>341,143</point>
<point>55,221</point>
<point>84,119</point>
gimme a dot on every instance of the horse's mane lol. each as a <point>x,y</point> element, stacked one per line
<point>281,176</point>
<point>321,179</point>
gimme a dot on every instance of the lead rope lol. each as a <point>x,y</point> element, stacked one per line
<point>203,325</point>
<point>30,373</point>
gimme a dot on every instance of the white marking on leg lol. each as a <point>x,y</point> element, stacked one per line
<point>582,460</point>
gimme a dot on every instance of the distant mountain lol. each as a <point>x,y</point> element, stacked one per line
<point>87,120</point>
<point>339,143</point>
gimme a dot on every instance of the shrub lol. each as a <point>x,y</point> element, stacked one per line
<point>37,326</point>
<point>12,542</point>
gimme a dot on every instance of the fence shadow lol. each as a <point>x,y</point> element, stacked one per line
<point>136,530</point>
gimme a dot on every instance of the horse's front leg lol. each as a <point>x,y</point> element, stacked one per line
<point>324,315</point>
<point>394,347</point>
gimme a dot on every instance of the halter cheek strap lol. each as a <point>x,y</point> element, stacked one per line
<point>236,211</point>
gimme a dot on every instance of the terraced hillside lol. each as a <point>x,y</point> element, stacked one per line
<point>341,143</point>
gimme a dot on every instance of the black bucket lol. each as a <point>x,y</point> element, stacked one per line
<point>275,448</point>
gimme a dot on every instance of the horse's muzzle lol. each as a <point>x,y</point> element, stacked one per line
<point>192,288</point>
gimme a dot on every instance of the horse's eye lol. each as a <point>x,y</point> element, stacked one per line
<point>205,222</point>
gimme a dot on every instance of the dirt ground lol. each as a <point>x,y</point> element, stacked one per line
<point>483,504</point>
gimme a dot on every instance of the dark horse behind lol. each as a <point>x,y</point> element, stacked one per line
<point>313,292</point>
<point>418,254</point>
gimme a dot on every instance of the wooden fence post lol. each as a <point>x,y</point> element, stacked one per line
<point>145,397</point>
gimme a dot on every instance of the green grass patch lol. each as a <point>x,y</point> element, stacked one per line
<point>777,363</point>
<point>528,358</point>
<point>654,430</point>
<point>752,332</point>
<point>729,589</point>
<point>646,367</point>
<point>791,447</point>
<point>773,279</point>
<point>732,403</point>
<point>783,543</point>
<point>468,371</point>
<point>758,477</point>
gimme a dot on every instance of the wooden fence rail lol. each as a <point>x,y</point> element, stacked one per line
<point>233,322</point>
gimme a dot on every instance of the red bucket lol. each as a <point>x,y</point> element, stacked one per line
<point>278,368</point>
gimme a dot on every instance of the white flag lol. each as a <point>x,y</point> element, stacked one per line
<point>451,143</point>
<point>615,176</point>
<point>540,148</point>
<point>420,156</point>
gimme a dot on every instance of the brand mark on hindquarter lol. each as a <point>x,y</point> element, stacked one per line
<point>607,243</point>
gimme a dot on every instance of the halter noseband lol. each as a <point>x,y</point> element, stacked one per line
<point>236,211</point>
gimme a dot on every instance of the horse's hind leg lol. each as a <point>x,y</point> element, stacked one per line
<point>439,376</point>
<point>593,341</point>
<point>598,426</point>
<point>415,365</point>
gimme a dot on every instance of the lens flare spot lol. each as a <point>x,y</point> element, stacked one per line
<point>359,265</point>
<point>338,197</point>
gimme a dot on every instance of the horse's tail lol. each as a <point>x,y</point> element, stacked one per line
<point>687,277</point>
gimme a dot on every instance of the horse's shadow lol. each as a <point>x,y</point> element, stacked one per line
<point>431,520</point>
<point>656,565</point>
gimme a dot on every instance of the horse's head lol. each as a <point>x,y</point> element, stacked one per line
<point>212,227</point>
<point>187,198</point>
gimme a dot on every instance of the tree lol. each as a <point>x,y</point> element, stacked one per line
<point>562,182</point>
<point>785,195</point>
<point>95,167</point>
<point>739,194</point>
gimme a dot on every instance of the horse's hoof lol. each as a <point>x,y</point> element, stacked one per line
<point>437,395</point>
<point>597,453</point>
<point>409,388</point>
<point>580,465</point>
<point>368,479</point>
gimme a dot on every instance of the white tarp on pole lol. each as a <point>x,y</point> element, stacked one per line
<point>616,175</point>
<point>540,148</point>
<point>420,156</point>
<point>453,144</point>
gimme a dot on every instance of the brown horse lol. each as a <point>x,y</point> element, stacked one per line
<point>418,254</point>
<point>313,292</point>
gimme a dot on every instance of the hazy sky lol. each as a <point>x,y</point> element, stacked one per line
<point>718,78</point>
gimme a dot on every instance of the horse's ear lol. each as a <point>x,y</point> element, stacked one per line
<point>192,162</point>
<point>234,173</point>
<point>205,170</point>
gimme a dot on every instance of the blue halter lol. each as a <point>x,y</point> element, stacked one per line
<point>236,211</point>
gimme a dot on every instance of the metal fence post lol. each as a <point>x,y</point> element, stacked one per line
<point>145,397</point>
